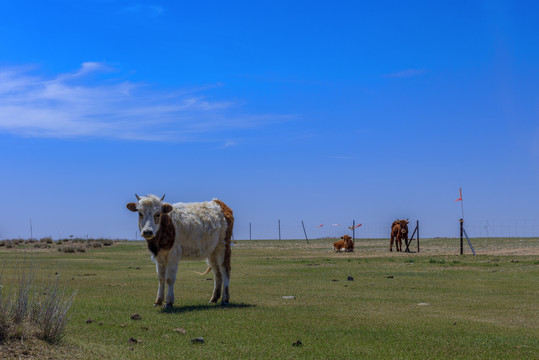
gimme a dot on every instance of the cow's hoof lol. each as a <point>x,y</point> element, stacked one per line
<point>224,303</point>
<point>167,307</point>
<point>158,303</point>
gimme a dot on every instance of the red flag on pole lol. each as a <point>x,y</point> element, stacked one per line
<point>460,192</point>
<point>319,226</point>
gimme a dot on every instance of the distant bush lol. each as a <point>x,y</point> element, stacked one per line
<point>47,240</point>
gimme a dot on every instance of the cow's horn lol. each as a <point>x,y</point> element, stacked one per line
<point>138,197</point>
<point>163,197</point>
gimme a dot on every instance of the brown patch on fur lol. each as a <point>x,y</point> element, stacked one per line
<point>229,216</point>
<point>164,239</point>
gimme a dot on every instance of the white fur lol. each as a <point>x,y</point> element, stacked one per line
<point>200,233</point>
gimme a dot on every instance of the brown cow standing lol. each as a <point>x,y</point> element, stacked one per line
<point>399,231</point>
<point>344,245</point>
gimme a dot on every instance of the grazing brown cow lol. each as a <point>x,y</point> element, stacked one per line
<point>399,231</point>
<point>344,245</point>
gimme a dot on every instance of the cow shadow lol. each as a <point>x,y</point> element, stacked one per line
<point>203,307</point>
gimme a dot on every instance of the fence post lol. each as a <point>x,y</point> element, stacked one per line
<point>461,239</point>
<point>250,231</point>
<point>279,221</point>
<point>305,232</point>
<point>417,226</point>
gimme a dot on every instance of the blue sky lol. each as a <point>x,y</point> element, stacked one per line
<point>294,110</point>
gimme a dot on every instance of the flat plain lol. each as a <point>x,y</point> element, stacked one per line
<point>292,300</point>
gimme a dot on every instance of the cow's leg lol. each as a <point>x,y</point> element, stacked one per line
<point>170,278</point>
<point>226,282</point>
<point>216,260</point>
<point>391,244</point>
<point>161,269</point>
<point>398,243</point>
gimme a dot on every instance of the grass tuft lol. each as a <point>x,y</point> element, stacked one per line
<point>27,310</point>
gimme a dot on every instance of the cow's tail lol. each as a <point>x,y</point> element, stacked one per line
<point>205,272</point>
<point>229,216</point>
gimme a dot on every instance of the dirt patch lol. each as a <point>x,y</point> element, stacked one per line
<point>33,348</point>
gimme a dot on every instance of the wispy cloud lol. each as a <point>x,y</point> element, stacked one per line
<point>81,104</point>
<point>406,73</point>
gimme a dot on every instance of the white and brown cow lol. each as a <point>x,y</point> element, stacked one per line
<point>186,231</point>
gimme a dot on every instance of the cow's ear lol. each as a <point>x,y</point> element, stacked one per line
<point>166,208</point>
<point>132,206</point>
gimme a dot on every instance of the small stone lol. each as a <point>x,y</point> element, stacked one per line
<point>89,321</point>
<point>350,278</point>
<point>423,304</point>
<point>132,341</point>
<point>334,280</point>
<point>180,331</point>
<point>297,343</point>
<point>198,340</point>
<point>289,297</point>
<point>389,277</point>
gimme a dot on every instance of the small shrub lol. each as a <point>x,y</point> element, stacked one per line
<point>47,240</point>
<point>27,308</point>
<point>9,244</point>
<point>67,249</point>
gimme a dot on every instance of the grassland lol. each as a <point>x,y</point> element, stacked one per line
<point>435,304</point>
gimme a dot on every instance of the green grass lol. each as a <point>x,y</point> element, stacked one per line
<point>482,307</point>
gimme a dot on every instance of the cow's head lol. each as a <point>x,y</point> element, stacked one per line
<point>149,209</point>
<point>404,226</point>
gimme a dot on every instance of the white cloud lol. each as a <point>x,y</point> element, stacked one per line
<point>69,105</point>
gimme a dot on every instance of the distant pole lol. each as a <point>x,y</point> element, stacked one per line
<point>250,231</point>
<point>417,226</point>
<point>31,231</point>
<point>279,221</point>
<point>353,230</point>
<point>461,239</point>
<point>305,232</point>
<point>461,205</point>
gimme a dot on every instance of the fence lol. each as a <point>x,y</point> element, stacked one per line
<point>283,229</point>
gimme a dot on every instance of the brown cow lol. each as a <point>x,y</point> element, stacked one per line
<point>399,231</point>
<point>344,245</point>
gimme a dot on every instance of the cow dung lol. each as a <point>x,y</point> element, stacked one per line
<point>350,278</point>
<point>135,317</point>
<point>297,343</point>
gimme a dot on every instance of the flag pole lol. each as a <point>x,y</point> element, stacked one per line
<point>461,204</point>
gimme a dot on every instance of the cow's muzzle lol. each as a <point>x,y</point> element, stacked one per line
<point>147,234</point>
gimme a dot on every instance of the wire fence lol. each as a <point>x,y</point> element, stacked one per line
<point>289,230</point>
